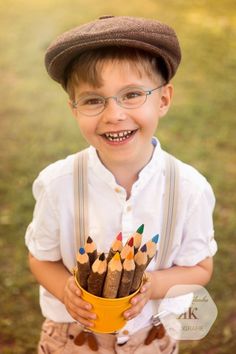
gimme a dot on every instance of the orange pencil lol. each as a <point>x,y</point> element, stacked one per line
<point>127,248</point>
<point>127,275</point>
<point>113,276</point>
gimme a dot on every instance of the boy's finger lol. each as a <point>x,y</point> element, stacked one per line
<point>78,302</point>
<point>83,304</point>
<point>73,287</point>
<point>132,312</point>
<point>135,300</point>
<point>138,303</point>
<point>83,321</point>
<point>81,312</point>
<point>85,314</point>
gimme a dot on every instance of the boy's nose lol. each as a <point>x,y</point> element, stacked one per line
<point>113,112</point>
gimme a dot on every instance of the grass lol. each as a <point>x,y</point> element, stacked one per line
<point>36,129</point>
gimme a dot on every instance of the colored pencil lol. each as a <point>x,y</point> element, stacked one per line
<point>140,260</point>
<point>137,236</point>
<point>116,246</point>
<point>127,275</point>
<point>127,248</point>
<point>83,267</point>
<point>112,281</point>
<point>91,250</point>
<point>152,247</point>
<point>97,275</point>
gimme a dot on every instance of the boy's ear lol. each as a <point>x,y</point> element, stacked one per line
<point>72,108</point>
<point>166,99</point>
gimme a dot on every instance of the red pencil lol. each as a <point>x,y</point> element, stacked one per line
<point>129,247</point>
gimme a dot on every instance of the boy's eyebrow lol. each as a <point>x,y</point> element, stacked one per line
<point>89,92</point>
<point>86,93</point>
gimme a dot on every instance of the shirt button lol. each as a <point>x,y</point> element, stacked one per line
<point>117,190</point>
<point>129,208</point>
<point>125,332</point>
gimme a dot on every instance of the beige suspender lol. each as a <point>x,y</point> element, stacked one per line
<point>81,198</point>
<point>169,211</point>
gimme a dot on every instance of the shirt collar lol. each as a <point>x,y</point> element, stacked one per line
<point>154,166</point>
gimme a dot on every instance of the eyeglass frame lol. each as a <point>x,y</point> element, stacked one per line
<point>147,93</point>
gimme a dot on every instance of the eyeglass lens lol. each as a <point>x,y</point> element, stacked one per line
<point>129,98</point>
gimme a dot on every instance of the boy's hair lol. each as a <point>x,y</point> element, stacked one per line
<point>87,66</point>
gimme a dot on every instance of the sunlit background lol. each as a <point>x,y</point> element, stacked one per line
<point>36,128</point>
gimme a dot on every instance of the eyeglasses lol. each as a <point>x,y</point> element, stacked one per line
<point>130,98</point>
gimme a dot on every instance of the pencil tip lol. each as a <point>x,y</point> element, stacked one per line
<point>102,256</point>
<point>119,236</point>
<point>140,229</point>
<point>144,248</point>
<point>116,256</point>
<point>130,255</point>
<point>82,250</point>
<point>131,242</point>
<point>155,238</point>
<point>89,239</point>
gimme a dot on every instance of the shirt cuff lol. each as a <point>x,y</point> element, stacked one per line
<point>194,258</point>
<point>51,253</point>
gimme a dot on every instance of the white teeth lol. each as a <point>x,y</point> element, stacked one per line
<point>119,136</point>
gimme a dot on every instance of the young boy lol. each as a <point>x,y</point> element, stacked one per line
<point>117,73</point>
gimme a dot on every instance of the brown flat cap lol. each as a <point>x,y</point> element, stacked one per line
<point>146,34</point>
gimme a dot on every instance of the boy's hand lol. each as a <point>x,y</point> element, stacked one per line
<point>79,309</point>
<point>140,300</point>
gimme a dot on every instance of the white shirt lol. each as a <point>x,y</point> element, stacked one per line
<point>50,236</point>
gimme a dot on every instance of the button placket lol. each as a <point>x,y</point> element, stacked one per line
<point>127,219</point>
<point>128,208</point>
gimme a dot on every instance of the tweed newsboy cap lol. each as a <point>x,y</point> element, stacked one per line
<point>149,35</point>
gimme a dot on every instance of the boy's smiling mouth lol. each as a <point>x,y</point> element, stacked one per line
<point>119,136</point>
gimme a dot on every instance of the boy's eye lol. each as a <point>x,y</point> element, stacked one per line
<point>132,95</point>
<point>91,101</point>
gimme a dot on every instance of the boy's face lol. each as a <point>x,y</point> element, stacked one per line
<point>136,126</point>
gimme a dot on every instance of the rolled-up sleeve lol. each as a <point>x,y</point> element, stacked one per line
<point>42,234</point>
<point>198,240</point>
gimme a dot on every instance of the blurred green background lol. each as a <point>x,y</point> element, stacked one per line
<point>36,128</point>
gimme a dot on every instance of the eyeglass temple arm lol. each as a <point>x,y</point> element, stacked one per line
<point>148,92</point>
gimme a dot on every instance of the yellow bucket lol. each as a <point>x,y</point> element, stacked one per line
<point>109,311</point>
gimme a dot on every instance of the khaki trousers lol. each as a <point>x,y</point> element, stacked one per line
<point>58,338</point>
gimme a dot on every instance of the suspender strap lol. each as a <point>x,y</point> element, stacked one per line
<point>169,211</point>
<point>81,198</point>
